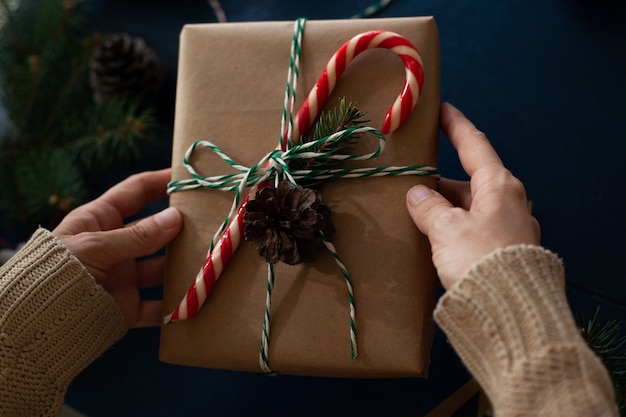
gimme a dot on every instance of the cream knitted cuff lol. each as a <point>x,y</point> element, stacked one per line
<point>509,321</point>
<point>54,320</point>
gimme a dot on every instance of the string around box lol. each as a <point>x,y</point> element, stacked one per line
<point>275,165</point>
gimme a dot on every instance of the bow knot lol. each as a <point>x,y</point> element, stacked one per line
<point>308,162</point>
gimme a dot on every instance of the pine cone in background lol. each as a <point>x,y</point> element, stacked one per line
<point>126,68</point>
<point>283,223</point>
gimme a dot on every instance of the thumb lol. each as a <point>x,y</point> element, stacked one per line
<point>145,236</point>
<point>425,206</point>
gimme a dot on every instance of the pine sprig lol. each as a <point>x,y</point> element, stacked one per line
<point>50,184</point>
<point>114,131</point>
<point>606,340</point>
<point>56,134</point>
<point>36,51</point>
<point>74,89</point>
<point>346,115</point>
<point>342,117</point>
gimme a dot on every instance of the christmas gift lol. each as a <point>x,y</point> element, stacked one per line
<point>362,305</point>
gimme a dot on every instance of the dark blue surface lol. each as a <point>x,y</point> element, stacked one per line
<point>546,80</point>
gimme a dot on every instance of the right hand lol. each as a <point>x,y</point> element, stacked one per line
<point>469,220</point>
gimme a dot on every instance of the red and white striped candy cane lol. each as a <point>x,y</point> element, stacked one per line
<point>395,116</point>
<point>406,101</point>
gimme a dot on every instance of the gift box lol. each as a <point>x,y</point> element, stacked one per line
<point>231,86</point>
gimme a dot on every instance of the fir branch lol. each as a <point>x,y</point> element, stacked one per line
<point>68,10</point>
<point>9,25</point>
<point>608,343</point>
<point>114,131</point>
<point>58,20</point>
<point>44,70</point>
<point>344,116</point>
<point>48,185</point>
<point>76,76</point>
<point>56,134</point>
<point>34,69</point>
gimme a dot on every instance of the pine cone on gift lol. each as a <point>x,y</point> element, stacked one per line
<point>126,68</point>
<point>283,223</point>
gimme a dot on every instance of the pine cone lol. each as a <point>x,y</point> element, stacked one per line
<point>284,223</point>
<point>124,67</point>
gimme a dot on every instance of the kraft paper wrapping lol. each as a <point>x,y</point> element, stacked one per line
<point>230,91</point>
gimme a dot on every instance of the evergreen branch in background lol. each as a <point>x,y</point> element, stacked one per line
<point>117,130</point>
<point>37,51</point>
<point>57,133</point>
<point>9,25</point>
<point>74,89</point>
<point>50,184</point>
<point>607,342</point>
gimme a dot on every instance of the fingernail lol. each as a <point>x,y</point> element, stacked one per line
<point>167,218</point>
<point>419,193</point>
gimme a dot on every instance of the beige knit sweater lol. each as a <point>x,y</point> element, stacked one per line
<point>508,319</point>
<point>510,322</point>
<point>54,321</point>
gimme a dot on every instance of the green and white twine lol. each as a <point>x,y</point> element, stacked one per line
<point>277,162</point>
<point>275,165</point>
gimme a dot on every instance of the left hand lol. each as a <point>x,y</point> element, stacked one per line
<point>95,233</point>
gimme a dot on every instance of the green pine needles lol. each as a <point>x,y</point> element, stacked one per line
<point>606,340</point>
<point>344,116</point>
<point>55,133</point>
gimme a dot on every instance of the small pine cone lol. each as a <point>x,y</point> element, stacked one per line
<point>126,68</point>
<point>283,223</point>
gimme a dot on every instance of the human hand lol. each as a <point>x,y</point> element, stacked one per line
<point>95,233</point>
<point>468,220</point>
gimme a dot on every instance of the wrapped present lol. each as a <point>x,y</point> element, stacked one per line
<point>231,89</point>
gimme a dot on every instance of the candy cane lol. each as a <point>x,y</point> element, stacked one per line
<point>406,101</point>
<point>395,116</point>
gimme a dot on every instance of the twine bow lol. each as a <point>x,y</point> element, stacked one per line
<point>277,162</point>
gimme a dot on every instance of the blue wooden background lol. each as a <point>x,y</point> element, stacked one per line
<point>545,79</point>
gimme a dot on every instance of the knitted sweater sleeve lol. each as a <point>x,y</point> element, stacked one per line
<point>510,323</point>
<point>54,320</point>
